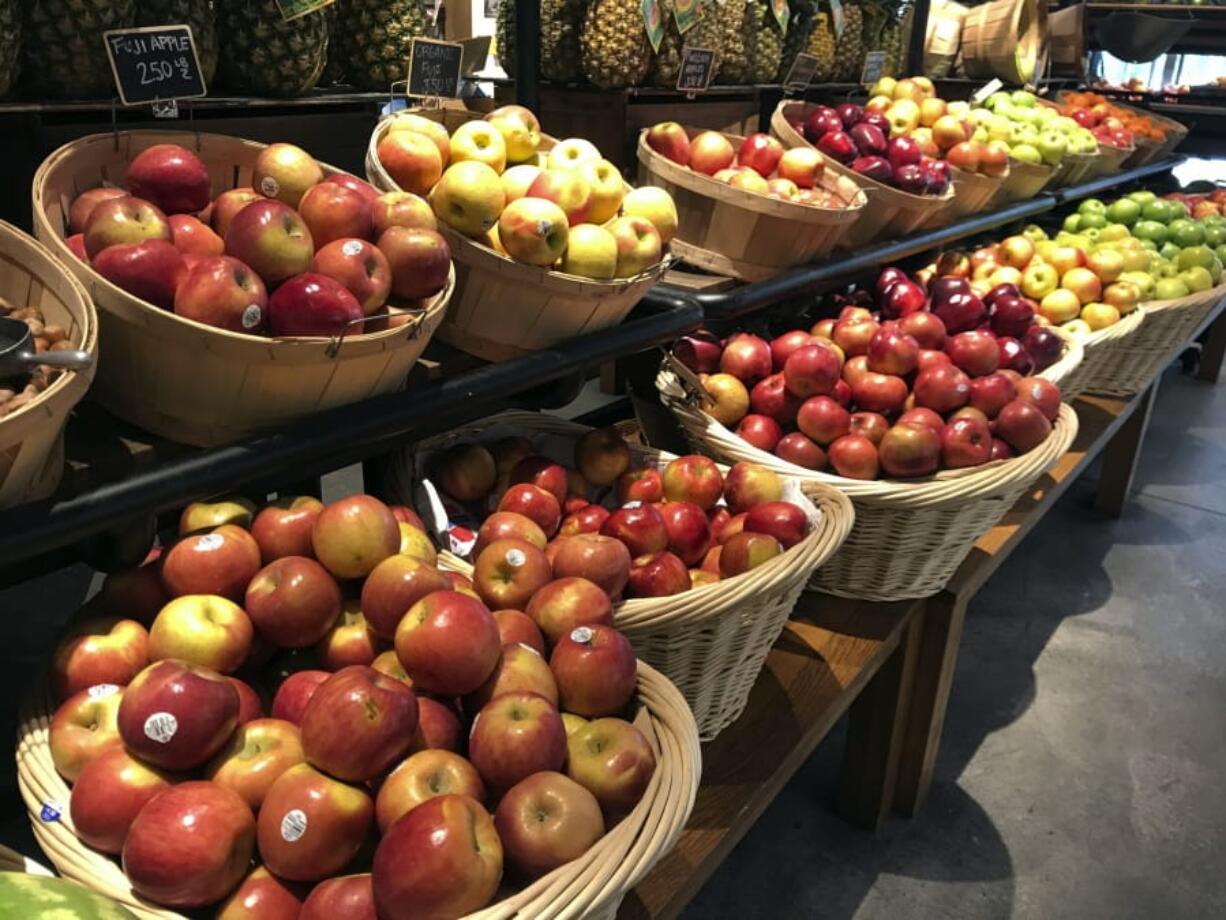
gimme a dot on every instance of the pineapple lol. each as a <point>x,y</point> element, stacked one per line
<point>504,35</point>
<point>196,13</point>
<point>707,32</point>
<point>63,51</point>
<point>616,51</point>
<point>849,47</point>
<point>372,39</point>
<point>767,42</point>
<point>265,55</point>
<point>561,26</point>
<point>821,46</point>
<point>10,44</point>
<point>800,27</point>
<point>734,64</point>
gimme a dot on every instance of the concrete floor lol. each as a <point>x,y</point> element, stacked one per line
<point>1081,770</point>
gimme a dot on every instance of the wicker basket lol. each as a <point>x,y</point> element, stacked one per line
<point>711,641</point>
<point>1142,356</point>
<point>31,438</point>
<point>591,886</point>
<point>547,307</point>
<point>742,234</point>
<point>890,212</point>
<point>194,383</point>
<point>909,537</point>
<point>1103,356</point>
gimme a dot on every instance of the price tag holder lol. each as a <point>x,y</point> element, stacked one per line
<point>434,68</point>
<point>697,68</point>
<point>874,68</point>
<point>800,74</point>
<point>158,63</point>
<point>293,9</point>
<point>981,94</point>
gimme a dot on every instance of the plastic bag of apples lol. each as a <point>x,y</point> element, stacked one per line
<point>399,709</point>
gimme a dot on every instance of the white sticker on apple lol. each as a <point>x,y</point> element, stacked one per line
<point>351,247</point>
<point>516,557</point>
<point>582,634</point>
<point>102,691</point>
<point>161,727</point>
<point>210,541</point>
<point>252,314</point>
<point>269,187</point>
<point>293,825</point>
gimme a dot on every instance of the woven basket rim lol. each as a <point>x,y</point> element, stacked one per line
<point>946,487</point>
<point>598,878</point>
<point>707,601</point>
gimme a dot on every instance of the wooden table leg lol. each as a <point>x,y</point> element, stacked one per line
<point>1213,350</point>
<point>937,657</point>
<point>1120,457</point>
<point>876,722</point>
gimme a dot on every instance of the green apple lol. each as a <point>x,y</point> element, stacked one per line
<point>1169,250</point>
<point>1021,97</point>
<point>1170,289</point>
<point>1026,153</point>
<point>1196,278</point>
<point>1186,232</point>
<point>1091,206</point>
<point>1072,223</point>
<point>1052,147</point>
<point>1142,279</point>
<point>1142,196</point>
<point>1035,233</point>
<point>1114,231</point>
<point>1125,211</point>
<point>1152,230</point>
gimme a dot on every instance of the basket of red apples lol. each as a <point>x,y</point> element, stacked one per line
<point>698,565</point>
<point>238,285</point>
<point>551,220</point>
<point>746,207</point>
<point>907,190</point>
<point>298,713</point>
<point>932,444</point>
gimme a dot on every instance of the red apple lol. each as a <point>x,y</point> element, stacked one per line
<point>358,723</point>
<point>258,753</point>
<point>448,642</point>
<point>190,845</point>
<point>353,535</point>
<point>295,692</point>
<point>514,736</point>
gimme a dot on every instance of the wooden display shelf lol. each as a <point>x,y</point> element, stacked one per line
<point>834,654</point>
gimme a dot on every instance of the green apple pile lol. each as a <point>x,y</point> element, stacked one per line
<point>1034,132</point>
<point>1184,255</point>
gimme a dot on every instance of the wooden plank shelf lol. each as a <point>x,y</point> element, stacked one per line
<point>827,656</point>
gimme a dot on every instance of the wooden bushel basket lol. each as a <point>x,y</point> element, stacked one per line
<point>1005,39</point>
<point>194,383</point>
<point>504,308</point>
<point>591,886</point>
<point>909,536</point>
<point>31,438</point>
<point>749,236</point>
<point>890,212</point>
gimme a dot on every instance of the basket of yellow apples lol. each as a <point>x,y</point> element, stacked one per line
<point>549,241</point>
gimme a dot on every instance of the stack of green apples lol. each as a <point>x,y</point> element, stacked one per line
<point>1034,131</point>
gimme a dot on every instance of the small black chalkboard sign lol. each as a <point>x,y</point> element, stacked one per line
<point>697,67</point>
<point>434,68</point>
<point>154,63</point>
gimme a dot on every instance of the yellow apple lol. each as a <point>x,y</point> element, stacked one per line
<point>407,121</point>
<point>608,189</point>
<point>591,252</point>
<point>518,179</point>
<point>657,206</point>
<point>480,141</point>
<point>520,137</point>
<point>468,198</point>
<point>638,245</point>
<point>533,230</point>
<point>572,152</point>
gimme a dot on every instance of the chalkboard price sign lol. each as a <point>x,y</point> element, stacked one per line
<point>434,68</point>
<point>155,63</point>
<point>697,66</point>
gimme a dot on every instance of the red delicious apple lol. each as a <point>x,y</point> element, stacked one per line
<point>854,456</point>
<point>151,270</point>
<point>942,388</point>
<point>884,393</point>
<point>423,776</point>
<point>295,692</point>
<point>992,393</point>
<point>190,845</point>
<point>1022,425</point>
<point>420,260</point>
<point>263,896</point>
<point>358,723</point>
<point>311,825</point>
<point>965,442</point>
<point>784,521</point>
<point>799,449</point>
<point>612,760</point>
<point>173,178</point>
<point>258,753</point>
<point>354,534</point>
<point>448,642</point>
<point>176,716</point>
<point>657,575</point>
<point>910,450</point>
<point>107,795</point>
<point>443,859</point>
<point>516,735</point>
<point>269,236</point>
<point>603,560</point>
<point>1044,394</point>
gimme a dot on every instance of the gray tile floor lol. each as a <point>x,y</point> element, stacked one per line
<point>1081,774</point>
